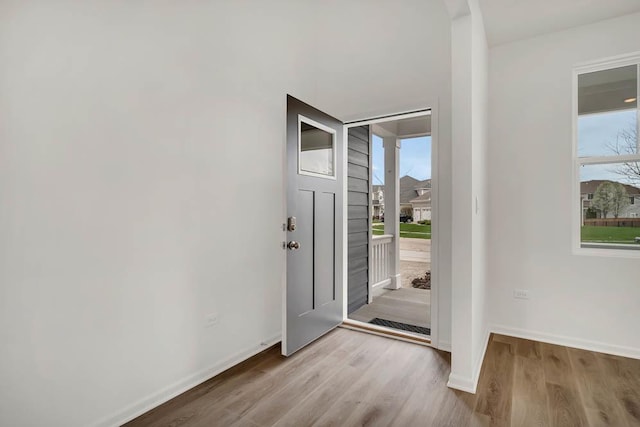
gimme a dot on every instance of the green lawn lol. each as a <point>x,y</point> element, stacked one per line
<point>407,230</point>
<point>609,234</point>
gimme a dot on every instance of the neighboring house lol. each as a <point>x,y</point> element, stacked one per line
<point>377,201</point>
<point>422,206</point>
<point>414,195</point>
<point>588,189</point>
<point>410,189</point>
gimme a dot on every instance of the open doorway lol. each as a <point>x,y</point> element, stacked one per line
<point>400,207</point>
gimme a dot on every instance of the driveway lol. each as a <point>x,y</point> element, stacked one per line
<point>416,250</point>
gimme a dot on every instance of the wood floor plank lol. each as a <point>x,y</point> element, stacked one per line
<point>600,404</point>
<point>529,391</point>
<point>350,378</point>
<point>495,387</point>
<point>315,405</point>
<point>190,404</point>
<point>623,376</point>
<point>429,383</point>
<point>385,404</point>
<point>529,349</point>
<point>511,341</point>
<point>363,390</point>
<point>557,368</point>
<point>240,388</point>
<point>565,409</point>
<point>286,389</point>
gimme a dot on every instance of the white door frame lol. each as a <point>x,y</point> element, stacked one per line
<point>435,205</point>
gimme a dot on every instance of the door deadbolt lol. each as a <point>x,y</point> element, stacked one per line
<point>291,223</point>
<point>293,245</point>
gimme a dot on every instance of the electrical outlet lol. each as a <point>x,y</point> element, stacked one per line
<point>521,293</point>
<point>211,320</point>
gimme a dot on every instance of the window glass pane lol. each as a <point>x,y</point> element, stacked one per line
<point>316,150</point>
<point>607,112</point>
<point>377,175</point>
<point>608,90</point>
<point>608,134</point>
<point>610,207</point>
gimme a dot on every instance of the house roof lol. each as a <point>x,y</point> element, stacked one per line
<point>409,186</point>
<point>589,187</point>
<point>426,197</point>
<point>423,200</point>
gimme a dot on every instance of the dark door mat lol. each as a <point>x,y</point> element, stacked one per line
<point>401,326</point>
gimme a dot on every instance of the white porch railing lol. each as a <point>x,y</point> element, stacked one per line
<point>380,254</point>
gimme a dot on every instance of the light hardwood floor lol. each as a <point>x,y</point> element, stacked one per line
<point>350,378</point>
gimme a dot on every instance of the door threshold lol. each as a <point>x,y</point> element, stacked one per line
<point>385,332</point>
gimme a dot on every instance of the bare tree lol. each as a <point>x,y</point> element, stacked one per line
<point>627,143</point>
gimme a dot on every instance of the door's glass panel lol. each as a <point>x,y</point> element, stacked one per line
<point>607,112</point>
<point>316,150</point>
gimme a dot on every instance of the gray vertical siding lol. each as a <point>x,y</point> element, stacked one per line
<point>358,215</point>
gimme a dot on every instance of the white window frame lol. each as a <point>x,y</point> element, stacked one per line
<point>603,250</point>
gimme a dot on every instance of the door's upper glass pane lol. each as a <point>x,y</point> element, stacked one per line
<point>607,112</point>
<point>316,150</point>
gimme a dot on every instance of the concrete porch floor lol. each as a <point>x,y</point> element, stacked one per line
<point>407,304</point>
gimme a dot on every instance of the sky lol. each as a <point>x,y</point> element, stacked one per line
<point>596,132</point>
<point>415,158</point>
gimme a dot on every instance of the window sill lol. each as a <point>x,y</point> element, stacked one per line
<point>610,250</point>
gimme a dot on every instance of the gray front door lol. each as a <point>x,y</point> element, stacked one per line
<point>315,172</point>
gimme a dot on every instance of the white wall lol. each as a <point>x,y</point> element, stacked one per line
<point>585,301</point>
<point>480,201</point>
<point>462,229</point>
<point>469,112</point>
<point>130,134</point>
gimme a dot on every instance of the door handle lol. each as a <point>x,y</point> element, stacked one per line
<point>293,245</point>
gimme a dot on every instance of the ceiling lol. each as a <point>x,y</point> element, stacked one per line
<point>509,20</point>
<point>404,128</point>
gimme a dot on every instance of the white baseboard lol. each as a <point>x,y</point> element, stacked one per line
<point>478,362</point>
<point>381,284</point>
<point>173,390</point>
<point>461,383</point>
<point>467,384</point>
<point>599,347</point>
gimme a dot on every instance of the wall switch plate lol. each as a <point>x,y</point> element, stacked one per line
<point>211,320</point>
<point>521,293</point>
